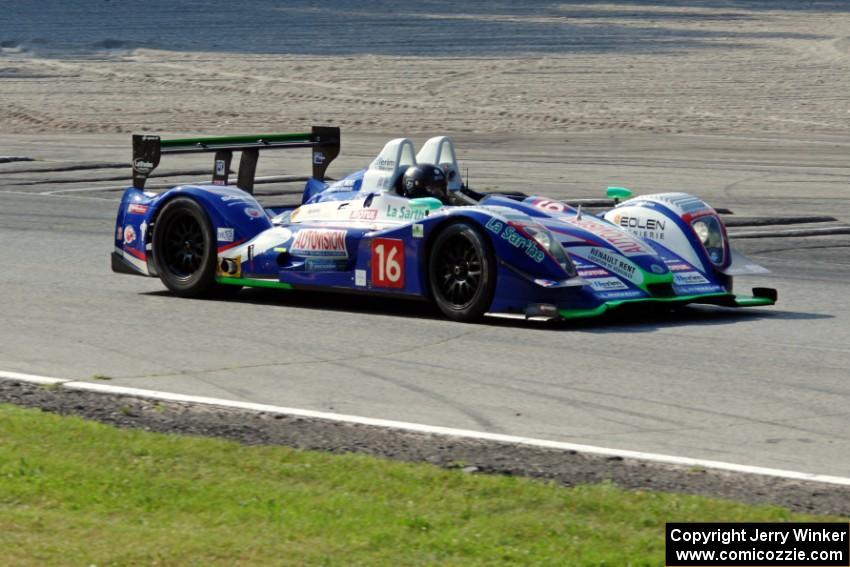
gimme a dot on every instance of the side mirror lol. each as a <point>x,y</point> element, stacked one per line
<point>427,203</point>
<point>618,193</point>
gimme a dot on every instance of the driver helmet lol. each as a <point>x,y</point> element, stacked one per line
<point>425,180</point>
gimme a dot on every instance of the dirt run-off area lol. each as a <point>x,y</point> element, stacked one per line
<point>778,67</point>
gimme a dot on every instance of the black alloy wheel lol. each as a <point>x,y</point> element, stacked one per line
<point>184,250</point>
<point>462,272</point>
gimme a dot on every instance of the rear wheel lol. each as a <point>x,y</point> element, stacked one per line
<point>462,272</point>
<point>184,250</point>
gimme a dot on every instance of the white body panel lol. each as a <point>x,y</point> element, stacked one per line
<point>441,151</point>
<point>651,224</point>
<point>390,164</point>
<point>372,211</point>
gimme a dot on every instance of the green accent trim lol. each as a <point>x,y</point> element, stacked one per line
<point>243,139</point>
<point>749,301</point>
<point>429,203</point>
<point>596,311</point>
<point>248,282</point>
<point>582,313</point>
<point>653,278</point>
<point>618,193</point>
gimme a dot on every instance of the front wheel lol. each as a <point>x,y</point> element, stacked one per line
<point>462,272</point>
<point>184,249</point>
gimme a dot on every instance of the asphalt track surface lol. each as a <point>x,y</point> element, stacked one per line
<point>766,387</point>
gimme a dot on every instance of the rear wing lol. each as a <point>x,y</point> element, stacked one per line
<point>147,150</point>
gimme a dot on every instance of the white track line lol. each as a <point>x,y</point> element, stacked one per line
<point>431,429</point>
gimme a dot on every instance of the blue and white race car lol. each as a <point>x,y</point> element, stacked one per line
<point>407,226</point>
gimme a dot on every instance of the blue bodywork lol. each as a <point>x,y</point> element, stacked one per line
<point>331,241</point>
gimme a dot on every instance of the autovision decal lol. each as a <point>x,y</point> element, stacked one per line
<point>327,243</point>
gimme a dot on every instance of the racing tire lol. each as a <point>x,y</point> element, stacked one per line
<point>462,272</point>
<point>184,250</point>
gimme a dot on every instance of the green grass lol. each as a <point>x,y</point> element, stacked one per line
<point>75,492</point>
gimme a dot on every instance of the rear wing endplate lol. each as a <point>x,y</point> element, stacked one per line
<point>147,150</point>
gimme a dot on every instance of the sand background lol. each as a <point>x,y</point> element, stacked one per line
<point>759,67</point>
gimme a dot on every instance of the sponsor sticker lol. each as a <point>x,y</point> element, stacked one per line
<point>141,165</point>
<point>708,288</point>
<point>253,212</point>
<point>418,231</point>
<point>137,209</point>
<point>320,242</point>
<point>383,182</point>
<point>360,278</point>
<point>607,284</point>
<point>119,234</point>
<point>388,263</point>
<point>676,266</point>
<point>324,265</point>
<point>620,294</point>
<point>658,269</point>
<point>129,234</point>
<point>143,230</point>
<point>225,234</point>
<point>364,214</point>
<point>613,262</point>
<point>318,158</point>
<point>220,168</point>
<point>384,164</point>
<point>593,273</point>
<point>689,278</point>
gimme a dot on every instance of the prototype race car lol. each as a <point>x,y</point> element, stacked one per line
<point>407,226</point>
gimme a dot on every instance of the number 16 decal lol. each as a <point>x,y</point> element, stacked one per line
<point>387,263</point>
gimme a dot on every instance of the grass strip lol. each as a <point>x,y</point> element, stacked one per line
<point>76,492</point>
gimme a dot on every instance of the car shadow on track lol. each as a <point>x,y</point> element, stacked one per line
<point>632,319</point>
<point>637,320</point>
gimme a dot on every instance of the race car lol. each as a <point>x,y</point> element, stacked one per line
<point>407,226</point>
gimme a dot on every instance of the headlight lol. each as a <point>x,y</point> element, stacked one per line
<point>550,244</point>
<point>710,235</point>
<point>701,228</point>
<point>542,238</point>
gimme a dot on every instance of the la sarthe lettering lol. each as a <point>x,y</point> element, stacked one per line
<point>404,213</point>
<point>510,234</point>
